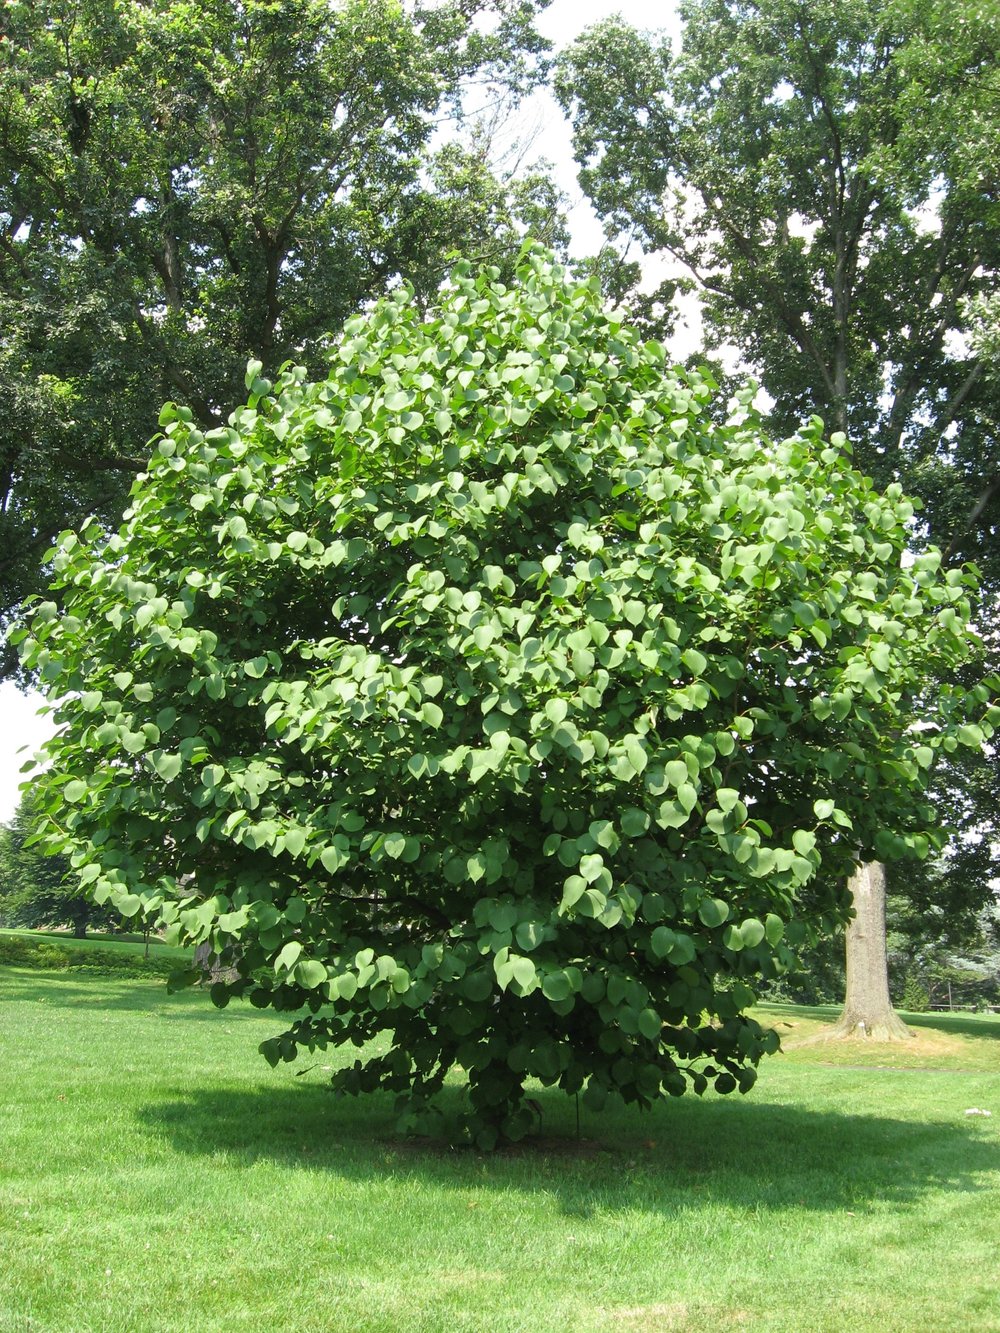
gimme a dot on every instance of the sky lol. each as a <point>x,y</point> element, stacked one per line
<point>22,729</point>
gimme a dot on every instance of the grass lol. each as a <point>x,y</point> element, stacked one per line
<point>130,945</point>
<point>156,1175</point>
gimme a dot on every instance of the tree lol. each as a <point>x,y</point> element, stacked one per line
<point>491,694</point>
<point>825,175</point>
<point>834,217</point>
<point>39,890</point>
<point>185,187</point>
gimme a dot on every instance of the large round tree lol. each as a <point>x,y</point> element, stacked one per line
<point>495,693</point>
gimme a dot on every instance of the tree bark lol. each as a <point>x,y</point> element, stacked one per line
<point>868,1011</point>
<point>211,967</point>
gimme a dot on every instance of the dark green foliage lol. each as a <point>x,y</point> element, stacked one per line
<point>914,997</point>
<point>185,186</point>
<point>40,890</point>
<point>489,693</point>
<point>820,173</point>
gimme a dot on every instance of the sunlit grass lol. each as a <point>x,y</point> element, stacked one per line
<point>156,1175</point>
<point>95,939</point>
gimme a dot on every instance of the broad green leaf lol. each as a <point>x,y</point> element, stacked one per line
<point>649,1024</point>
<point>395,844</point>
<point>713,911</point>
<point>310,973</point>
<point>753,931</point>
<point>288,956</point>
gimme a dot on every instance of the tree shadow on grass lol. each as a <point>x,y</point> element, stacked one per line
<point>65,987</point>
<point>965,1025</point>
<point>72,989</point>
<point>746,1153</point>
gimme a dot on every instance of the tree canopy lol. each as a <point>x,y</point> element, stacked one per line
<point>825,174</point>
<point>185,187</point>
<point>492,693</point>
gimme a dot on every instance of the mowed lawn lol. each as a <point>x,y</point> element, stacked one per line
<point>99,941</point>
<point>155,1174</point>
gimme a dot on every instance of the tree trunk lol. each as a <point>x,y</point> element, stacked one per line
<point>80,929</point>
<point>211,967</point>
<point>868,1011</point>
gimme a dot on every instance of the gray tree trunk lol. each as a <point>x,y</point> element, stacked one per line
<point>210,966</point>
<point>868,1011</point>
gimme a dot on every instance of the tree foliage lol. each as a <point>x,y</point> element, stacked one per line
<point>183,187</point>
<point>40,890</point>
<point>825,174</point>
<point>488,693</point>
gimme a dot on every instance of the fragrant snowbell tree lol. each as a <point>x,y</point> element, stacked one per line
<point>488,693</point>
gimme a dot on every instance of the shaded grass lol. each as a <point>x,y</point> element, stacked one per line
<point>154,1174</point>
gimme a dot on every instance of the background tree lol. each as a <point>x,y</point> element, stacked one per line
<point>185,187</point>
<point>39,890</point>
<point>825,175</point>
<point>491,693</point>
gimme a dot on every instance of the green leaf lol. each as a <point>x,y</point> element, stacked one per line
<point>753,932</point>
<point>332,858</point>
<point>524,972</point>
<point>556,986</point>
<point>167,766</point>
<point>295,840</point>
<point>529,935</point>
<point>712,912</point>
<point>310,973</point>
<point>803,840</point>
<point>634,822</point>
<point>288,955</point>
<point>395,844</point>
<point>649,1024</point>
<point>296,910</point>
<point>432,714</point>
<point>662,941</point>
<point>556,710</point>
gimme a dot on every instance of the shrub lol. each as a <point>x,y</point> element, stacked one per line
<point>22,951</point>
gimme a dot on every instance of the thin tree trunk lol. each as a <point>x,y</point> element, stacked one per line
<point>868,1011</point>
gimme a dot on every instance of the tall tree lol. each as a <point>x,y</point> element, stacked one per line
<point>40,890</point>
<point>834,214</point>
<point>185,187</point>
<point>825,175</point>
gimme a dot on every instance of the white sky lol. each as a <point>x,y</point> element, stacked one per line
<point>21,729</point>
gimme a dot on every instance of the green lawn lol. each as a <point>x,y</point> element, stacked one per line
<point>155,1175</point>
<point>95,939</point>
